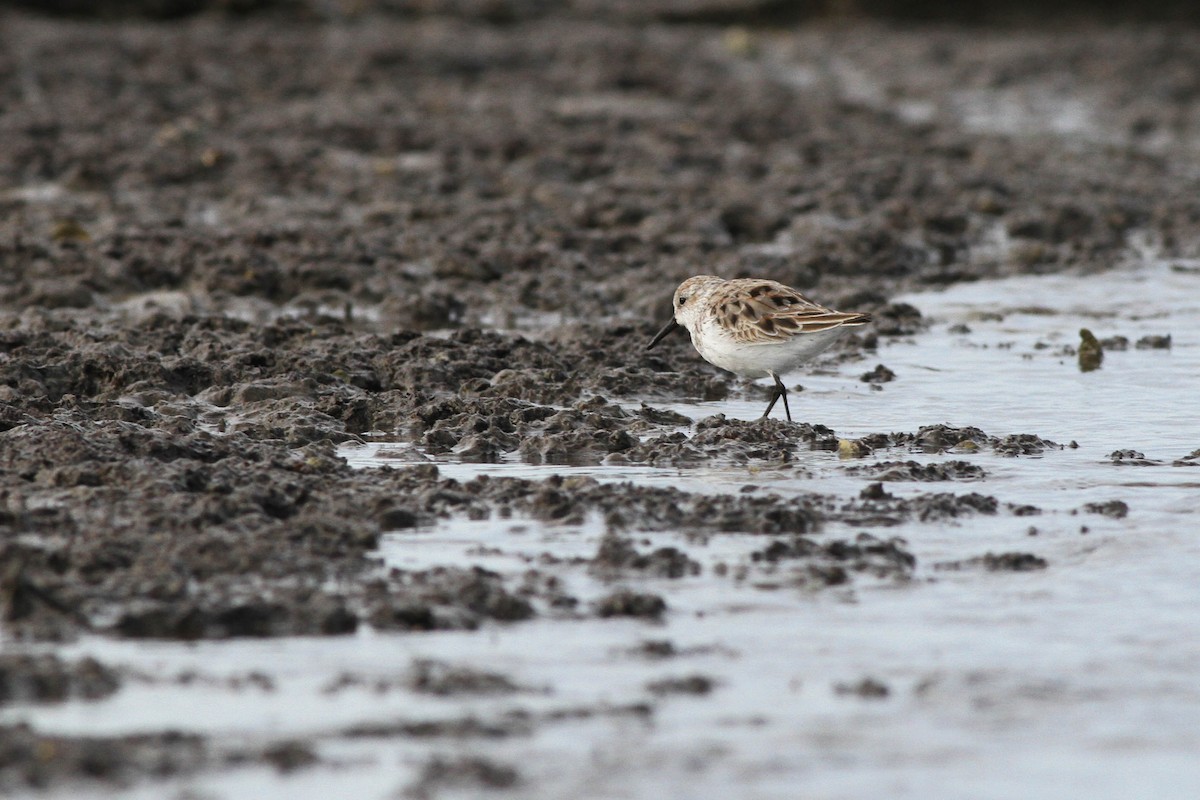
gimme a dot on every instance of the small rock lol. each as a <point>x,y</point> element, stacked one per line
<point>1090,351</point>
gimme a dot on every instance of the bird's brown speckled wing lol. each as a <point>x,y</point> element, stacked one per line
<point>764,312</point>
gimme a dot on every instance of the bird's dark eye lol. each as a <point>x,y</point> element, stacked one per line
<point>682,300</point>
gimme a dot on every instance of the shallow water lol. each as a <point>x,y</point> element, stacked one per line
<point>1080,680</point>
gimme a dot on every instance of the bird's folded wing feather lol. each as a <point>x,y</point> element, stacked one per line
<point>768,312</point>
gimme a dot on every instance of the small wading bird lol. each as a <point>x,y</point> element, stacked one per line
<point>755,328</point>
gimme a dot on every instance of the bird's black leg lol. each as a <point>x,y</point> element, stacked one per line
<point>770,405</point>
<point>783,394</point>
<point>780,391</point>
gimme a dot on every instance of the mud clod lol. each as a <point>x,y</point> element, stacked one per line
<point>1154,342</point>
<point>880,374</point>
<point>626,603</point>
<point>1117,509</point>
<point>898,319</point>
<point>942,505</point>
<point>1132,458</point>
<point>875,491</point>
<point>1023,444</point>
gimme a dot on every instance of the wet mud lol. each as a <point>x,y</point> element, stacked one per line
<point>231,243</point>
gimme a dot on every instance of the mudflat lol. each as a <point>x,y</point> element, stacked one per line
<point>233,246</point>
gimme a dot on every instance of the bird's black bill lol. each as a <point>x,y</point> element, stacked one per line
<point>658,337</point>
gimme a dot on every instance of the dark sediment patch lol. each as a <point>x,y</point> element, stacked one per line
<point>944,505</point>
<point>832,563</point>
<point>865,688</point>
<point>443,598</point>
<point>521,208</point>
<point>876,507</point>
<point>226,534</point>
<point>947,438</point>
<point>721,440</point>
<point>996,562</point>
<point>428,676</point>
<point>290,755</point>
<point>442,679</point>
<point>48,679</point>
<point>623,505</point>
<point>664,649</point>
<point>1132,458</point>
<point>695,685</point>
<point>912,471</point>
<point>617,556</point>
<point>463,773</point>
<point>1192,459</point>
<point>37,761</point>
<point>509,725</point>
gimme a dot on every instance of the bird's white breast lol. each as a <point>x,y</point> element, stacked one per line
<point>717,347</point>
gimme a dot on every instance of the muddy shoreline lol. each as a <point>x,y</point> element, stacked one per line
<point>231,244</point>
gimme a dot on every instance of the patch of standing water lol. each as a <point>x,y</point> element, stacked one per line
<point>1079,680</point>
